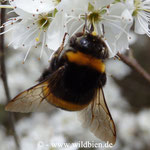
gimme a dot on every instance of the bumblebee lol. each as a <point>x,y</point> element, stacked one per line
<point>74,82</point>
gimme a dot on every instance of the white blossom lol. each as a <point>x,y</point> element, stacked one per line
<point>33,24</point>
<point>140,10</point>
<point>100,14</point>
<point>35,6</point>
<point>44,22</point>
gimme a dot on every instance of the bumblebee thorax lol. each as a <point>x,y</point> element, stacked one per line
<point>91,45</point>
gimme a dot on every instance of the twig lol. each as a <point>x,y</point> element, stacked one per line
<point>135,65</point>
<point>4,77</point>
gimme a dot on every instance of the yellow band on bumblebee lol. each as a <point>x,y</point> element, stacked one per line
<point>86,60</point>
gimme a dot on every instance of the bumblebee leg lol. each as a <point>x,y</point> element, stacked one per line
<point>54,58</point>
<point>56,54</point>
<point>62,45</point>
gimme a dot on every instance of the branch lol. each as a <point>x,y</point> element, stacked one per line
<point>3,75</point>
<point>135,65</point>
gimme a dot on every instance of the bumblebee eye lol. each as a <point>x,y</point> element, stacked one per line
<point>83,41</point>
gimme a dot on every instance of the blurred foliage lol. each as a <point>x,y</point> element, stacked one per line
<point>134,87</point>
<point>3,115</point>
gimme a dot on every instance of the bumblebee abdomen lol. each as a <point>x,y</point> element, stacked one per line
<point>81,79</point>
<point>77,85</point>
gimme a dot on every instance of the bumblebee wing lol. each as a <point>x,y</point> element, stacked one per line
<point>33,99</point>
<point>98,119</point>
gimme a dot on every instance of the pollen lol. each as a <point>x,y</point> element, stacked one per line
<point>94,33</point>
<point>37,39</point>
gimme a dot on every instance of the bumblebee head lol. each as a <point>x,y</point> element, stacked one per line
<point>90,43</point>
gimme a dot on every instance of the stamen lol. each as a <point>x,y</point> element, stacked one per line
<point>6,31</point>
<point>43,43</point>
<point>7,6</point>
<point>14,18</point>
<point>20,36</point>
<point>44,24</point>
<point>26,54</point>
<point>10,22</point>
<point>12,11</point>
<point>37,39</point>
<point>108,45</point>
<point>30,35</point>
<point>78,29</point>
<point>71,18</point>
<point>50,18</point>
